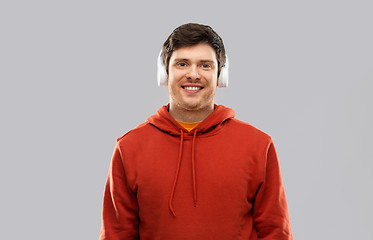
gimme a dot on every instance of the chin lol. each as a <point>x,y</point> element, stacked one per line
<point>194,106</point>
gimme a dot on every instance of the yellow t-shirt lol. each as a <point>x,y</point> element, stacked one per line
<point>188,126</point>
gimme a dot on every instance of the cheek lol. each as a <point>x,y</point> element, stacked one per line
<point>172,84</point>
<point>213,78</point>
<point>172,77</point>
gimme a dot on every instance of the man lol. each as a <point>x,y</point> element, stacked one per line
<point>192,171</point>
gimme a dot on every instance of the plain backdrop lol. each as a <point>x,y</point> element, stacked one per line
<point>76,75</point>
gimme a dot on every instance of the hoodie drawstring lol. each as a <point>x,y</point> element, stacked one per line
<point>194,171</point>
<point>178,170</point>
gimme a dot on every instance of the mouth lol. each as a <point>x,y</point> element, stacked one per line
<point>192,89</point>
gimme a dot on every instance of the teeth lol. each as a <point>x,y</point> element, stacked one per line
<point>192,88</point>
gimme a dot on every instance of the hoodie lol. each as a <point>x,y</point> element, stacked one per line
<point>219,181</point>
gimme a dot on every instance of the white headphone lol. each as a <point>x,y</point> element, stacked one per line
<point>162,73</point>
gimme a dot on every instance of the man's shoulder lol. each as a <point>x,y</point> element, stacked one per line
<point>241,127</point>
<point>142,130</point>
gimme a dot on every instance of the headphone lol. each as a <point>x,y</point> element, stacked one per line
<point>162,73</point>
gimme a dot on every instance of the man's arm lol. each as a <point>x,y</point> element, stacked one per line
<point>120,220</point>
<point>271,217</point>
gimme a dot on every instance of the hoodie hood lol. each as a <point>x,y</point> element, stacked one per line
<point>165,122</point>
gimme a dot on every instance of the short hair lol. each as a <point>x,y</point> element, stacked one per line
<point>192,34</point>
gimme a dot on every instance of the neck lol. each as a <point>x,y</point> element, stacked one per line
<point>190,115</point>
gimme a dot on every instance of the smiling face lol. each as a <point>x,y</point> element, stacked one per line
<point>192,78</point>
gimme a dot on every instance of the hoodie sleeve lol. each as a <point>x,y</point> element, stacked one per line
<point>271,218</point>
<point>120,219</point>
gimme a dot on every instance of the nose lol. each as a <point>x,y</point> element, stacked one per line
<point>193,73</point>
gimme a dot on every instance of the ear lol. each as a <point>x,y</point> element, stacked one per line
<point>162,76</point>
<point>224,74</point>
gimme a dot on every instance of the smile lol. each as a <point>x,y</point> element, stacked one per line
<point>190,88</point>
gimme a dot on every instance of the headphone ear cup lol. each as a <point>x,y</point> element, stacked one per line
<point>161,71</point>
<point>224,74</point>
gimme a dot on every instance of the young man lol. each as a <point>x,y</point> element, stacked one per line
<point>192,171</point>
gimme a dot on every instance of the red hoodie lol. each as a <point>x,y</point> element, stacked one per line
<point>220,181</point>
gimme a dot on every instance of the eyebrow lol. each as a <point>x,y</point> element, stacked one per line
<point>207,61</point>
<point>181,59</point>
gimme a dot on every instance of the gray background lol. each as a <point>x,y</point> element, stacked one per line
<point>75,75</point>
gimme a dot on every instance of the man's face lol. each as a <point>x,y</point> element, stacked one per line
<point>192,77</point>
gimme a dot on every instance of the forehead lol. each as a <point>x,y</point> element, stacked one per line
<point>202,51</point>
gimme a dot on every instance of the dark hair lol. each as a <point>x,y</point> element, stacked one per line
<point>191,34</point>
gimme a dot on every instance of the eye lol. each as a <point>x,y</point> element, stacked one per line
<point>181,64</point>
<point>206,66</point>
